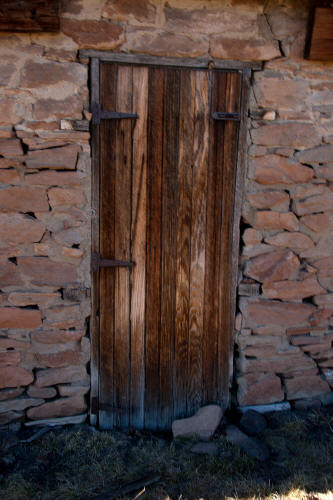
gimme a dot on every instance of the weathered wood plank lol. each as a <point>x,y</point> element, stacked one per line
<point>139,215</point>
<point>186,130</point>
<point>123,197</point>
<point>183,62</point>
<point>107,243</point>
<point>198,238</point>
<point>94,319</point>
<point>320,47</point>
<point>239,193</point>
<point>168,243</point>
<point>213,250</point>
<point>230,101</point>
<point>153,271</point>
<point>29,15</point>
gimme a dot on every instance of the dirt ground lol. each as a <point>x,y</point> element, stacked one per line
<point>78,462</point>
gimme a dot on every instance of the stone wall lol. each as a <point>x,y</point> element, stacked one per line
<point>285,338</point>
<point>284,330</point>
<point>44,229</point>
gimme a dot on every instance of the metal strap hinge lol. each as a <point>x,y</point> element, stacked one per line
<point>94,406</point>
<point>97,262</point>
<point>97,406</point>
<point>99,114</point>
<point>222,115</point>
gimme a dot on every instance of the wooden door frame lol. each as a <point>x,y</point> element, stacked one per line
<point>95,57</point>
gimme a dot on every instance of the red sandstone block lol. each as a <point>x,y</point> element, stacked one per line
<point>275,169</point>
<point>256,390</point>
<point>320,154</point>
<point>319,203</point>
<point>93,34</point>
<point>10,176</point>
<point>282,364</point>
<point>59,408</point>
<point>60,359</point>
<point>59,158</point>
<point>33,298</point>
<point>294,240</point>
<point>13,376</point>
<point>10,147</point>
<point>269,220</point>
<point>6,394</point>
<point>38,74</point>
<point>16,229</point>
<point>10,358</point>
<point>23,199</point>
<point>269,312</point>
<point>297,135</point>
<point>272,266</point>
<point>278,93</point>
<point>42,392</point>
<point>318,222</point>
<point>44,271</point>
<point>306,387</point>
<point>13,317</point>
<point>276,200</point>
<point>66,197</point>
<point>55,376</point>
<point>57,337</point>
<point>53,178</point>
<point>252,237</point>
<point>9,276</point>
<point>293,290</point>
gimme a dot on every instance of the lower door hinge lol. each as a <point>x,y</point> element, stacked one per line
<point>222,115</point>
<point>97,406</point>
<point>94,406</point>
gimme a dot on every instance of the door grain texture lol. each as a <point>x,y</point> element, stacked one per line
<point>167,188</point>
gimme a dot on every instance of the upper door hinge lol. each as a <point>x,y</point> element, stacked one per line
<point>221,115</point>
<point>99,114</point>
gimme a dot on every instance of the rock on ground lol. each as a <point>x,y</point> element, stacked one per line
<point>253,423</point>
<point>203,424</point>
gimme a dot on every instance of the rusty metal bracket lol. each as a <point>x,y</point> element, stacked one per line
<point>97,406</point>
<point>99,114</point>
<point>97,262</point>
<point>222,115</point>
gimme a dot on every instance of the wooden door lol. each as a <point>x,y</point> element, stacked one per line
<point>167,188</point>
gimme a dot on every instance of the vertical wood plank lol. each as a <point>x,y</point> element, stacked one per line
<point>229,100</point>
<point>239,193</point>
<point>94,322</point>
<point>107,243</point>
<point>213,250</point>
<point>169,254</point>
<point>185,158</point>
<point>153,258</point>
<point>123,198</point>
<point>139,214</point>
<point>198,238</point>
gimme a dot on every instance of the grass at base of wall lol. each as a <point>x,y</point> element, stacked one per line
<point>78,463</point>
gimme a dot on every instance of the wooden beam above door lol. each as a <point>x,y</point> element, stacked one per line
<point>195,62</point>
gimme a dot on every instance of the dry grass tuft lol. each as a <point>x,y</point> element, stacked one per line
<point>77,463</point>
